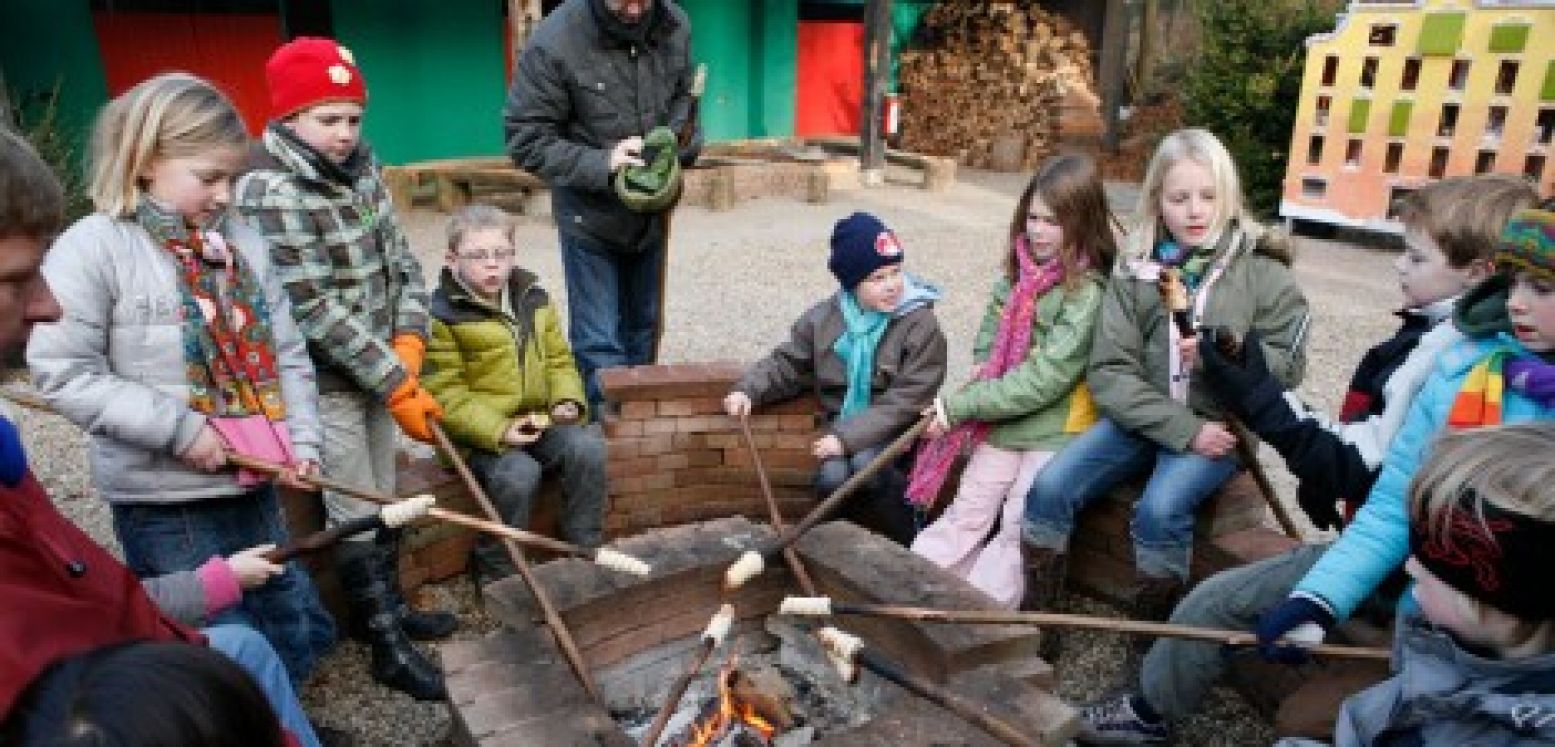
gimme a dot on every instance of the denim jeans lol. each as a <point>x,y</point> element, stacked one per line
<point>1104,456</point>
<point>512,479</point>
<point>879,505</point>
<point>612,306</point>
<point>249,650</point>
<point>163,538</point>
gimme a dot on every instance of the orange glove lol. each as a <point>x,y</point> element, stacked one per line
<point>414,409</point>
<point>412,351</point>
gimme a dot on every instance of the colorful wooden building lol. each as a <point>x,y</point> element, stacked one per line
<point>1405,92</point>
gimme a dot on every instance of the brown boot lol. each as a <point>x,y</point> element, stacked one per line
<point>1046,570</point>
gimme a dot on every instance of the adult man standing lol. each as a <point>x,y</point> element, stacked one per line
<point>593,80</point>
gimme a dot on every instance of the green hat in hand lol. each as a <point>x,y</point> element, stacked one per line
<point>651,187</point>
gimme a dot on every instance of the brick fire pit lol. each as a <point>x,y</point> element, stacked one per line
<point>515,688</point>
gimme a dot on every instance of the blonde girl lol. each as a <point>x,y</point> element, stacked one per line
<point>1028,397</point>
<point>1156,421</point>
<point>176,344</point>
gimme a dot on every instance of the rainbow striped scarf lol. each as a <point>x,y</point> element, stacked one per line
<point>1479,400</point>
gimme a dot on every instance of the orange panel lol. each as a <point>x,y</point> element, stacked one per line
<point>831,77</point>
<point>228,49</point>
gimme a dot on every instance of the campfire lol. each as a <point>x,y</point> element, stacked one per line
<point>734,718</point>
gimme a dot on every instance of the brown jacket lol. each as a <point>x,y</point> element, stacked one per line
<point>909,369</point>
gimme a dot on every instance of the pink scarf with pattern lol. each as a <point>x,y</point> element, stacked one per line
<point>1010,347</point>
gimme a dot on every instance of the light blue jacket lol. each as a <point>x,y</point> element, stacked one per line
<point>1377,541</point>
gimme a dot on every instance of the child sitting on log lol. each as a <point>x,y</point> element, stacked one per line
<point>874,356</point>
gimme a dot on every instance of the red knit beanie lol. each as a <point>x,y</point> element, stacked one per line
<point>309,70</point>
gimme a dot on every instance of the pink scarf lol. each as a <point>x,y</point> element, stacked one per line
<point>1010,347</point>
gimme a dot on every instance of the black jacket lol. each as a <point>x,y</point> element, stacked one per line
<point>578,89</point>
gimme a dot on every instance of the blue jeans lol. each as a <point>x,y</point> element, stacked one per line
<point>879,505</point>
<point>159,539</point>
<point>612,306</point>
<point>1106,455</point>
<point>249,650</point>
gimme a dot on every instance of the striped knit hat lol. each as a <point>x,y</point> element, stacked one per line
<point>1528,242</point>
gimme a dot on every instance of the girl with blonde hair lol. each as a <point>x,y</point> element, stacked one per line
<point>176,345</point>
<point>1157,420</point>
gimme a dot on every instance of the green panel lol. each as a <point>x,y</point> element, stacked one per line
<point>1509,37</point>
<point>1360,111</point>
<point>48,45</point>
<point>1398,119</point>
<point>750,51</point>
<point>905,15</point>
<point>1441,33</point>
<point>435,75</point>
<point>1547,91</point>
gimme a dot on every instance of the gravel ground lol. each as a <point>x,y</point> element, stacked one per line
<point>738,279</point>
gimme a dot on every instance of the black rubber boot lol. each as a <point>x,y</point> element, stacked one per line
<point>1046,571</point>
<point>395,660</point>
<point>419,625</point>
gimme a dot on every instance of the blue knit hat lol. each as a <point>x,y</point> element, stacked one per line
<point>861,244</point>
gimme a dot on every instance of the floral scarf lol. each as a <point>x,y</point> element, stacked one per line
<point>229,354</point>
<point>1012,344</point>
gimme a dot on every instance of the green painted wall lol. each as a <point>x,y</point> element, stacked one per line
<point>49,42</point>
<point>749,49</point>
<point>435,75</point>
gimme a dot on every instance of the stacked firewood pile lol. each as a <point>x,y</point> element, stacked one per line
<point>984,81</point>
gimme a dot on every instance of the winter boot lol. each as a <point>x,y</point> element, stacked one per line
<point>1046,571</point>
<point>419,625</point>
<point>395,660</point>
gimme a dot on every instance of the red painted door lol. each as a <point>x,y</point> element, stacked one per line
<point>831,77</point>
<point>228,49</point>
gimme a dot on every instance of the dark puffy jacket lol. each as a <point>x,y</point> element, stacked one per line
<point>579,89</point>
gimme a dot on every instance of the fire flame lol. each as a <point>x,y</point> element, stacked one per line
<point>730,711</point>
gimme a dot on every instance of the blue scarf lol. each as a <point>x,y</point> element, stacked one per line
<point>861,334</point>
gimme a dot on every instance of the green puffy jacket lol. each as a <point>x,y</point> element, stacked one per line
<point>1042,402</point>
<point>1130,369</point>
<point>474,366</point>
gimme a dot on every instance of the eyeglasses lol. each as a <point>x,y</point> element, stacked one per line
<point>483,255</point>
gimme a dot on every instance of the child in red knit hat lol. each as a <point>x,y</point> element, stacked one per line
<point>359,298</point>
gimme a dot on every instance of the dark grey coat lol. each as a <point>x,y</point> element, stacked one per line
<point>577,91</point>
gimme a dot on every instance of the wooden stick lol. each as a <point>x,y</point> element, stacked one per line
<point>1086,622</point>
<point>717,628</point>
<point>553,619</point>
<point>789,555</point>
<point>320,540</point>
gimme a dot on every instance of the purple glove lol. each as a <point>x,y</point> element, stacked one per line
<point>1300,619</point>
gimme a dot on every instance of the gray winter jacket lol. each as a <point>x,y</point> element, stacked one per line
<point>1443,696</point>
<point>114,363</point>
<point>577,91</point>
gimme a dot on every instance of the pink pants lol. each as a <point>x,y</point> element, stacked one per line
<point>994,483</point>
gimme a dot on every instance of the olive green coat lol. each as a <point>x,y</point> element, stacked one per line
<point>489,364</point>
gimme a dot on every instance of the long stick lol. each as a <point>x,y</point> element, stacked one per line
<point>871,660</point>
<point>789,556</point>
<point>553,619</point>
<point>717,628</point>
<point>825,606</point>
<point>320,540</point>
<point>752,562</point>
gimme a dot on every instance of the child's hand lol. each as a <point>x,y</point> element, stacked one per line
<point>207,453</point>
<point>295,475</point>
<point>251,567</point>
<point>1213,441</point>
<point>827,447</point>
<point>738,405</point>
<point>940,425</point>
<point>521,432</point>
<point>565,413</point>
<point>1188,350</point>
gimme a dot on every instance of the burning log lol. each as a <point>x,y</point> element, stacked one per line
<point>752,563</point>
<point>393,516</point>
<point>1174,294</point>
<point>713,637</point>
<point>826,607</point>
<point>612,559</point>
<point>735,717</point>
<point>848,654</point>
